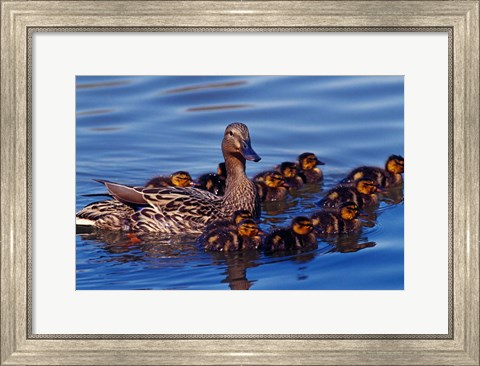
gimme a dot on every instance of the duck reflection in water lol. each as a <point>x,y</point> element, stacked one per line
<point>236,264</point>
<point>348,243</point>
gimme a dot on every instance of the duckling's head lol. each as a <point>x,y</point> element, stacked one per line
<point>288,169</point>
<point>222,170</point>
<point>236,141</point>
<point>248,227</point>
<point>274,179</point>
<point>394,164</point>
<point>366,186</point>
<point>349,211</point>
<point>308,161</point>
<point>302,225</point>
<point>241,215</point>
<point>181,179</point>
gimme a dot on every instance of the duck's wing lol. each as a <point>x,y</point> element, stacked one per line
<point>169,209</point>
<point>177,210</point>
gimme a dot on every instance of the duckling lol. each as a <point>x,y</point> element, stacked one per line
<point>389,177</point>
<point>298,236</point>
<point>178,210</point>
<point>213,182</point>
<point>177,179</point>
<point>245,236</point>
<point>271,186</point>
<point>362,193</point>
<point>232,223</point>
<point>289,172</point>
<point>343,221</point>
<point>308,171</point>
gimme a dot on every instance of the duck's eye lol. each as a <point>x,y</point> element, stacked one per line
<point>231,133</point>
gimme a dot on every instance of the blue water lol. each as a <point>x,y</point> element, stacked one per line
<point>131,128</point>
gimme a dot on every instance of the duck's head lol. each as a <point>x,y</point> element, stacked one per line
<point>288,169</point>
<point>302,225</point>
<point>241,215</point>
<point>236,141</point>
<point>222,170</point>
<point>349,211</point>
<point>248,227</point>
<point>274,179</point>
<point>366,186</point>
<point>394,164</point>
<point>308,161</point>
<point>181,179</point>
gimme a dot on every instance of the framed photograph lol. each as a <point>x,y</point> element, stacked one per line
<point>203,147</point>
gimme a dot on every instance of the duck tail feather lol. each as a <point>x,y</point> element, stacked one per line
<point>125,194</point>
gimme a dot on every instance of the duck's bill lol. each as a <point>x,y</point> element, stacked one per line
<point>249,154</point>
<point>320,162</point>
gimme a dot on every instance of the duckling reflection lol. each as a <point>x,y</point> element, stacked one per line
<point>177,179</point>
<point>349,243</point>
<point>237,264</point>
<point>389,177</point>
<point>308,170</point>
<point>393,195</point>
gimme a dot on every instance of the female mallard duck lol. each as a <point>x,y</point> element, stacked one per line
<point>307,164</point>
<point>175,210</point>
<point>245,236</point>
<point>343,221</point>
<point>271,186</point>
<point>289,173</point>
<point>388,177</point>
<point>177,179</point>
<point>362,194</point>
<point>298,236</point>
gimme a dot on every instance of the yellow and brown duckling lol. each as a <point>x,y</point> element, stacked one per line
<point>298,236</point>
<point>245,236</point>
<point>389,177</point>
<point>271,186</point>
<point>213,182</point>
<point>177,179</point>
<point>231,223</point>
<point>362,193</point>
<point>290,174</point>
<point>308,170</point>
<point>343,221</point>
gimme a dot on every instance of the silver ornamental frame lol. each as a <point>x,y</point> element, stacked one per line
<point>19,22</point>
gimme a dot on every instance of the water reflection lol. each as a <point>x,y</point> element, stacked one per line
<point>105,84</point>
<point>206,87</point>
<point>218,107</point>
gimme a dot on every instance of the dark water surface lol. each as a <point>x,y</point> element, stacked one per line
<point>130,129</point>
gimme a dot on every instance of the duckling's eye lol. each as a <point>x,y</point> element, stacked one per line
<point>231,133</point>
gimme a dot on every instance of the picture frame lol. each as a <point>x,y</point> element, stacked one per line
<point>20,19</point>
